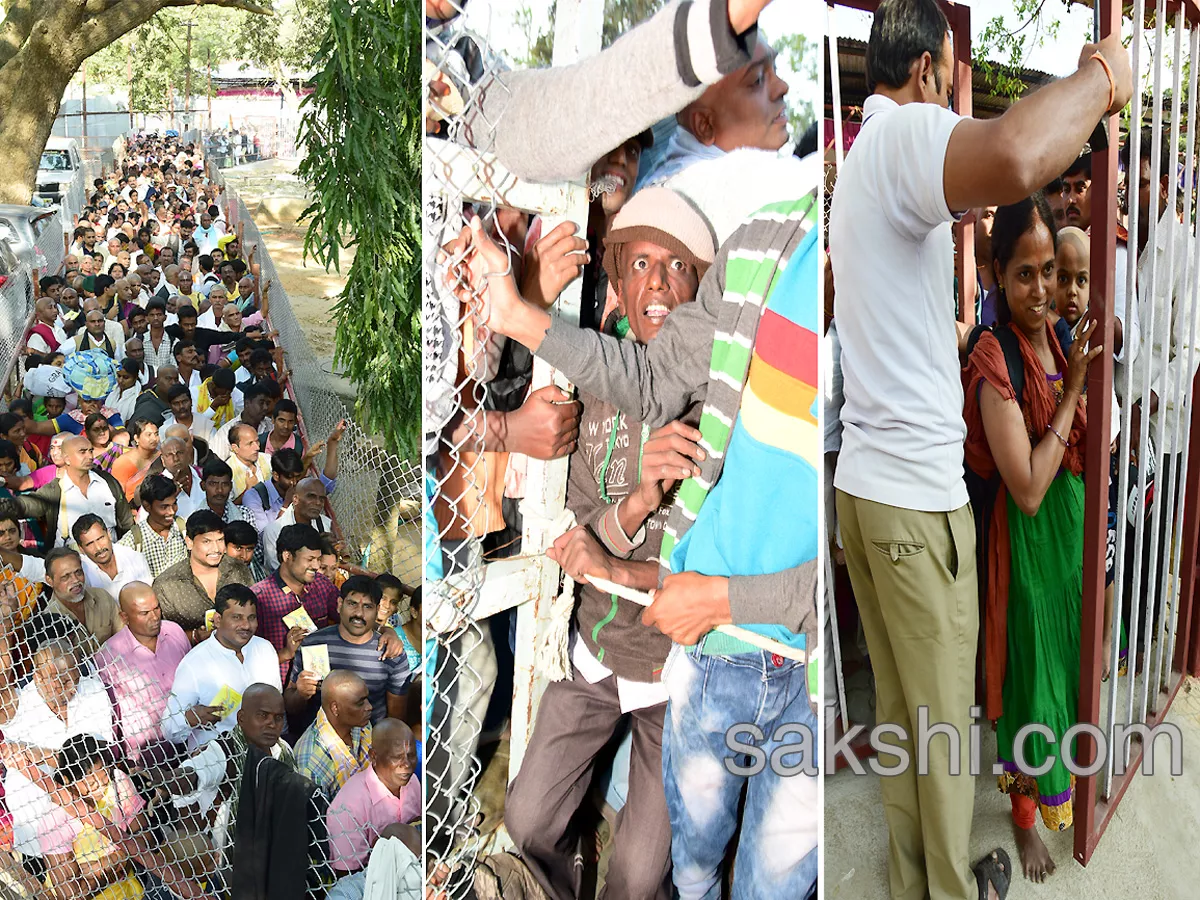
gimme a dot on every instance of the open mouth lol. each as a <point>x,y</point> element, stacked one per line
<point>656,312</point>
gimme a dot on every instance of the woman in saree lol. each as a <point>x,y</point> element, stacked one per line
<point>1035,442</point>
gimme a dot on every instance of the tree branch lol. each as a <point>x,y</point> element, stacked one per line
<point>14,30</point>
<point>255,8</point>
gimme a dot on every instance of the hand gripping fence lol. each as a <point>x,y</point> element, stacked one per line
<point>486,556</point>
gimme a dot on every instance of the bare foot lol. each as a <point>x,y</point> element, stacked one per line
<point>1034,856</point>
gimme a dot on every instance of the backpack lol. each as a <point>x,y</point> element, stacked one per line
<point>261,489</point>
<point>982,491</point>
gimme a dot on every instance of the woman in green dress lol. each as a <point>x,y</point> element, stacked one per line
<point>1035,441</point>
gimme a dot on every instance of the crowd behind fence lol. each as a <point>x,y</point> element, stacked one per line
<point>377,512</point>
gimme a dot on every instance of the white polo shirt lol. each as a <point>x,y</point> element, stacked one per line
<point>892,251</point>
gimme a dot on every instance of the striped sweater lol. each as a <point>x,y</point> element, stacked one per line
<point>657,383</point>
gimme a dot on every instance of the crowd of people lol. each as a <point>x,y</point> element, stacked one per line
<point>693,358</point>
<point>957,452</point>
<point>175,605</point>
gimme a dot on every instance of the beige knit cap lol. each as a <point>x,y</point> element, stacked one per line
<point>663,217</point>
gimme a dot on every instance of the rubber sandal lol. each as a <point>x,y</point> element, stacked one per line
<point>995,869</point>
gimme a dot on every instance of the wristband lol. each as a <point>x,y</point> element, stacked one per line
<point>1112,82</point>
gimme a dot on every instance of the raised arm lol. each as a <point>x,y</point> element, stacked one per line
<point>669,58</point>
<point>1003,160</point>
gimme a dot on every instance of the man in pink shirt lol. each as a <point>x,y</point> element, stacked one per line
<point>138,665</point>
<point>380,795</point>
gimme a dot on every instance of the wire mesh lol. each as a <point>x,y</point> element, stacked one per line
<point>459,358</point>
<point>109,786</point>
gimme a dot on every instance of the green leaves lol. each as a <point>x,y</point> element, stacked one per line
<point>361,138</point>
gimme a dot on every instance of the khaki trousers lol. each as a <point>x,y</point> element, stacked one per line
<point>914,580</point>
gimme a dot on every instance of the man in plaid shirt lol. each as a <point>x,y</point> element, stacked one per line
<point>336,746</point>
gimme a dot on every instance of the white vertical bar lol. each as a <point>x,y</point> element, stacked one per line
<point>1148,360</point>
<point>1184,412</point>
<point>1135,130</point>
<point>1156,599</point>
<point>577,33</point>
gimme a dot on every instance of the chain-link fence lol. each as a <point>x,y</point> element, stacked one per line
<point>496,511</point>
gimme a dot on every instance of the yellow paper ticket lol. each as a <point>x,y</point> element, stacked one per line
<point>316,659</point>
<point>302,618</point>
<point>227,699</point>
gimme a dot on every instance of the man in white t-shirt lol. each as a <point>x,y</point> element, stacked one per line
<point>906,525</point>
<point>106,565</point>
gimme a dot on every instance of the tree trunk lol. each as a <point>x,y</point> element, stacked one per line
<point>27,118</point>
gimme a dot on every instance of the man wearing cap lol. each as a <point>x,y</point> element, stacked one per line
<point>656,252</point>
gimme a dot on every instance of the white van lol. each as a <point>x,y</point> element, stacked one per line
<point>60,164</point>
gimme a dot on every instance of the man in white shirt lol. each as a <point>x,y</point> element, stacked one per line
<point>106,565</point>
<point>182,406</point>
<point>906,525</point>
<point>57,704</point>
<point>210,681</point>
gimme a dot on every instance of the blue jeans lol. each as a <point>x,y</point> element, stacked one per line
<point>777,850</point>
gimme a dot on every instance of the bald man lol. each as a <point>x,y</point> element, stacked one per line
<point>77,490</point>
<point>383,795</point>
<point>210,776</point>
<point>137,665</point>
<point>336,746</point>
<point>307,508</point>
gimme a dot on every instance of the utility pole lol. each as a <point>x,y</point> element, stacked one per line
<point>129,78</point>
<point>83,107</point>
<point>187,83</point>
<point>210,88</point>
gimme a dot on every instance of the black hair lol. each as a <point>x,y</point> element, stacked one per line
<point>131,366</point>
<point>1082,165</point>
<point>137,426</point>
<point>1009,223</point>
<point>239,267</point>
<point>224,379</point>
<point>188,312</point>
<point>204,521</point>
<point>9,421</point>
<point>215,467</point>
<point>388,581</point>
<point>901,31</point>
<point>92,420</point>
<point>258,389</point>
<point>23,404</point>
<point>103,283</point>
<point>234,595</point>
<point>205,261</point>
<point>49,281</point>
<point>156,303</point>
<point>134,312</point>
<point>362,584</point>
<point>294,538</point>
<point>8,450</point>
<point>287,462</point>
<point>240,534</point>
<point>260,356</point>
<point>79,755</point>
<point>85,523</point>
<point>10,514</point>
<point>156,489</point>
<point>1145,149</point>
<point>59,553</point>
<point>177,390</point>
<point>285,406</point>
